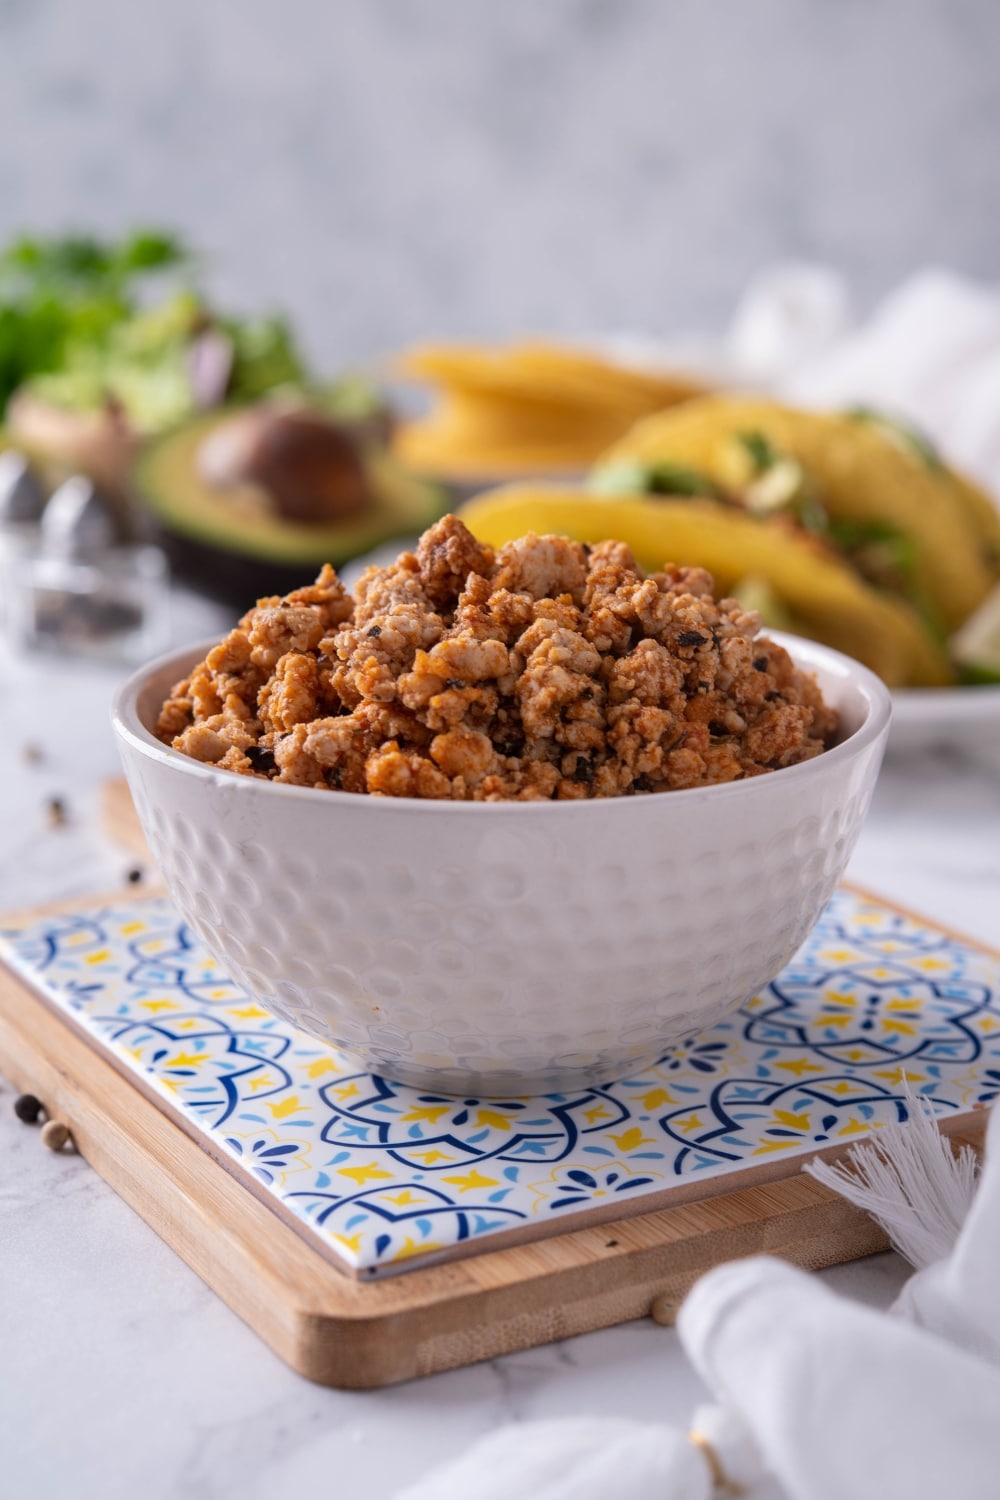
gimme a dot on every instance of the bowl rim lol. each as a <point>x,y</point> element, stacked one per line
<point>807,654</point>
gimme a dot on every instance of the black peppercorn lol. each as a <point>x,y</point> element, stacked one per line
<point>27,1108</point>
<point>56,809</point>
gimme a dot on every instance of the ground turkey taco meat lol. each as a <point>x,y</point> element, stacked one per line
<point>548,669</point>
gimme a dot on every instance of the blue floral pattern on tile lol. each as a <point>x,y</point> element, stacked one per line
<point>875,1006</point>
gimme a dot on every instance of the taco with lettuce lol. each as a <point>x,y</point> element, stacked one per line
<point>864,489</point>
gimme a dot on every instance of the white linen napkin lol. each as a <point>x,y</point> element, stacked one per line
<point>833,1399</point>
<point>841,1400</point>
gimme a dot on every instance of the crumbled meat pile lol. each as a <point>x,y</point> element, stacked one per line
<point>548,669</point>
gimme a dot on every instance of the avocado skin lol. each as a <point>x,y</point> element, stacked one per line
<point>231,578</point>
<point>233,560</point>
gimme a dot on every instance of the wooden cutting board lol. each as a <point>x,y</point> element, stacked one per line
<point>345,1331</point>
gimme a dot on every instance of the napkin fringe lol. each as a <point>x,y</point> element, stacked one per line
<point>911,1182</point>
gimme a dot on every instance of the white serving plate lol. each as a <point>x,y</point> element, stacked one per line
<point>963,718</point>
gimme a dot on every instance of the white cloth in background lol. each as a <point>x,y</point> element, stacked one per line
<point>929,354</point>
<point>786,318</point>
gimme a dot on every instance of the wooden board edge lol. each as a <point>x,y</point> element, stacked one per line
<point>364,1335</point>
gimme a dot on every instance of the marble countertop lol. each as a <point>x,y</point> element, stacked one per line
<point>122,1374</point>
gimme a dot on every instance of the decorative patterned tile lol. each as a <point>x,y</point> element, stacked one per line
<point>873,1004</point>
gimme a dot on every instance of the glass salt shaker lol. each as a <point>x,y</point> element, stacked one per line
<point>74,586</point>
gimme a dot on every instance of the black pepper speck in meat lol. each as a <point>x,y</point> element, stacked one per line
<point>261,758</point>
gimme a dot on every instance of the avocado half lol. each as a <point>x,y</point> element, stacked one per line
<point>233,547</point>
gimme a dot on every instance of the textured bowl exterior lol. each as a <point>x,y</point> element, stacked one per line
<point>504,948</point>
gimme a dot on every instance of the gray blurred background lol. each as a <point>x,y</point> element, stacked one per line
<point>388,169</point>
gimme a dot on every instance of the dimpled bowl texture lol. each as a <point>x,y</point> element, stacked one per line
<point>504,948</point>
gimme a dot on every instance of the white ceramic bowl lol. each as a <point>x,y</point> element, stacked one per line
<point>504,948</point>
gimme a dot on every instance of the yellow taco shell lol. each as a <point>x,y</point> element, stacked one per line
<point>860,475</point>
<point>528,406</point>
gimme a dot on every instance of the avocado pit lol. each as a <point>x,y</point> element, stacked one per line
<point>307,467</point>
